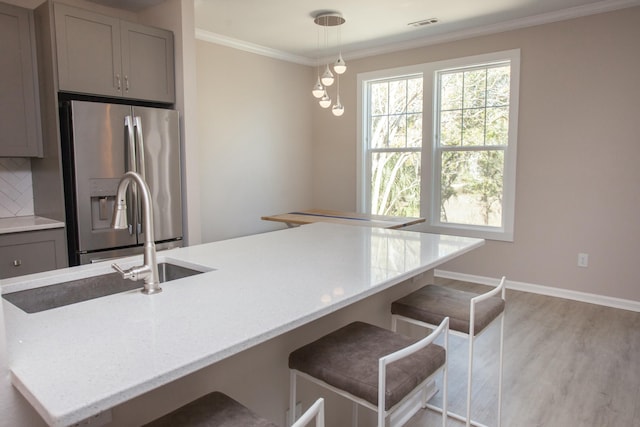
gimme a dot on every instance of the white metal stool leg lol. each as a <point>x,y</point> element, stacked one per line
<point>292,398</point>
<point>500,372</point>
<point>469,381</point>
<point>354,414</point>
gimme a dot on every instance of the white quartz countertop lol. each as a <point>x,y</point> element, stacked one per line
<point>75,361</point>
<point>27,223</point>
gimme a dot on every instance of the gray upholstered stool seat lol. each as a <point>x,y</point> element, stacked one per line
<point>433,303</point>
<point>469,315</point>
<point>214,409</point>
<point>348,359</point>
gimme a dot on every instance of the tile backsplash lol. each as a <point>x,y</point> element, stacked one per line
<point>16,190</point>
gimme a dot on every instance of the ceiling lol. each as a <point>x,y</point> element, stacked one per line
<point>285,27</point>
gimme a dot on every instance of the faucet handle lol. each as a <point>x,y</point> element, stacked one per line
<point>125,274</point>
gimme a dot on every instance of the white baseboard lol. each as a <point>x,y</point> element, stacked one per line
<point>544,290</point>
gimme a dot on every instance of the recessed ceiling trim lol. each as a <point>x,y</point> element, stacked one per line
<point>544,18</point>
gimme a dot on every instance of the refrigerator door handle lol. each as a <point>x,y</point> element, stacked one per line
<point>130,138</point>
<point>140,147</point>
<point>130,166</point>
<point>140,168</point>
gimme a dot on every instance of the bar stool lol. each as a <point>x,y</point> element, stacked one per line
<point>470,314</point>
<point>219,410</point>
<point>374,367</point>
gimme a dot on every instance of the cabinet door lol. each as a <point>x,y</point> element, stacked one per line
<point>20,134</point>
<point>88,48</point>
<point>147,62</point>
<point>32,252</point>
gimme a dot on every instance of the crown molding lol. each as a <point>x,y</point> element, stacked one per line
<point>216,38</point>
<point>544,18</point>
<point>515,24</point>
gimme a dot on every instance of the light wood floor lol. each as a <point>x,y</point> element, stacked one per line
<point>566,364</point>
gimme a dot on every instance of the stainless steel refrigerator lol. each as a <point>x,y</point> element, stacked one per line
<point>100,142</point>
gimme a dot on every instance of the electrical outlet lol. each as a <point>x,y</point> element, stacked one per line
<point>298,413</point>
<point>583,260</point>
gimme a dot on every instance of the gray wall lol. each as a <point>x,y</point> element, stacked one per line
<point>255,138</point>
<point>578,148</point>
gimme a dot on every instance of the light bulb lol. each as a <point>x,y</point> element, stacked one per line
<point>340,66</point>
<point>327,78</point>
<point>325,101</point>
<point>338,108</point>
<point>318,90</point>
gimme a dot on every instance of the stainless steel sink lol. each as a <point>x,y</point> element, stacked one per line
<point>71,292</point>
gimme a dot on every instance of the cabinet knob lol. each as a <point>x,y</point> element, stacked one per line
<point>118,85</point>
<point>17,262</point>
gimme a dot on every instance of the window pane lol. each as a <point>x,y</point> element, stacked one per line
<point>451,128</point>
<point>498,84</point>
<point>395,184</point>
<point>473,127</point>
<point>451,91</point>
<point>397,97</point>
<point>414,93</point>
<point>471,187</point>
<point>398,131</point>
<point>475,84</point>
<point>414,130</point>
<point>379,131</point>
<point>379,98</point>
<point>498,126</point>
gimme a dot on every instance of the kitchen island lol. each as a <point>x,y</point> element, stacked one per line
<point>79,360</point>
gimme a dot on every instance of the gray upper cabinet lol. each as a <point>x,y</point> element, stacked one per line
<point>88,48</point>
<point>20,132</point>
<point>102,55</point>
<point>147,62</point>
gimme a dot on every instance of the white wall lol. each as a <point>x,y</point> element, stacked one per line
<point>254,130</point>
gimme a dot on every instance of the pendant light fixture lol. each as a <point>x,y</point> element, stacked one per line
<point>338,108</point>
<point>327,20</point>
<point>318,89</point>
<point>340,66</point>
<point>327,77</point>
<point>325,101</point>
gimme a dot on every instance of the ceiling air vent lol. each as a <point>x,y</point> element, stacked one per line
<point>423,22</point>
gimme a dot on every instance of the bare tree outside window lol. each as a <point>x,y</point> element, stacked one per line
<point>395,141</point>
<point>473,124</point>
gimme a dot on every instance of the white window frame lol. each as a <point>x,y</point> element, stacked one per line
<point>429,206</point>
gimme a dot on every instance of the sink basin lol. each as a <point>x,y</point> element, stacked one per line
<point>65,293</point>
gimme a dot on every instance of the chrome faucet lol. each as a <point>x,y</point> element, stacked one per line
<point>149,270</point>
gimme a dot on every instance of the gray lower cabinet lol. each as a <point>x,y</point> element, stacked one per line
<point>20,132</point>
<point>32,252</point>
<point>103,55</point>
